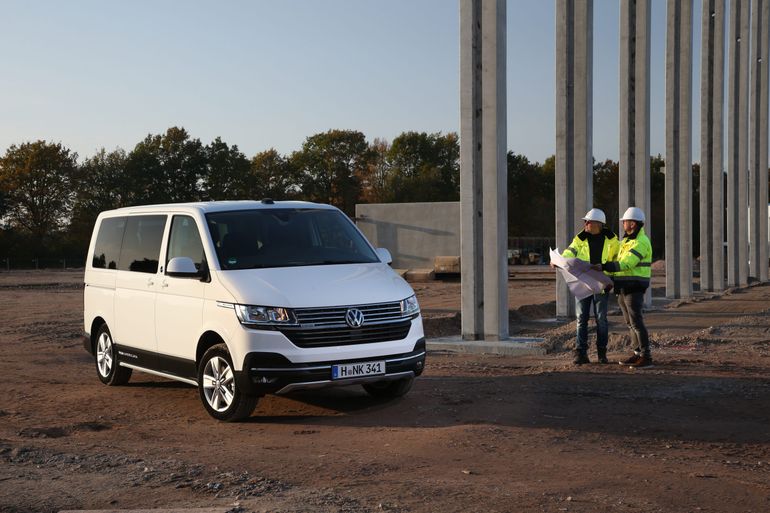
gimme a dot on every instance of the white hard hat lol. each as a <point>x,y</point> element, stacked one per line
<point>596,214</point>
<point>633,214</point>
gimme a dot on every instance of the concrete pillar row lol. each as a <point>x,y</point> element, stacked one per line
<point>679,149</point>
<point>635,174</point>
<point>574,128</point>
<point>760,26</point>
<point>737,145</point>
<point>483,187</point>
<point>711,164</point>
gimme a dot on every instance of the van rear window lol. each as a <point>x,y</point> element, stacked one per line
<point>107,246</point>
<point>141,243</point>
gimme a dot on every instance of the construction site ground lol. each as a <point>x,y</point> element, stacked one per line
<point>476,433</point>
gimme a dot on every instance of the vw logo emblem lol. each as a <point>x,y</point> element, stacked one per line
<point>354,317</point>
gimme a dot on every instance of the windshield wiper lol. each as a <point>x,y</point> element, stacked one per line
<point>335,262</point>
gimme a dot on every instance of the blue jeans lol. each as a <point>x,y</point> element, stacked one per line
<point>583,311</point>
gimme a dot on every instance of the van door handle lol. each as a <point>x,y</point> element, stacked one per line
<point>164,284</point>
<point>150,282</point>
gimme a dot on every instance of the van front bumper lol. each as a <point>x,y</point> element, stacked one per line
<point>272,373</point>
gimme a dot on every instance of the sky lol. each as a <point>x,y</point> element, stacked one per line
<point>261,74</point>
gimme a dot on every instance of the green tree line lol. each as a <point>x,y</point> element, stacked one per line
<point>49,200</point>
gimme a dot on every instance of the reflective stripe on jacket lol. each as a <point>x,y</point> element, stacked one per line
<point>633,265</point>
<point>579,248</point>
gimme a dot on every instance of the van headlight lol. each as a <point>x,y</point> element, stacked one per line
<point>265,315</point>
<point>410,307</point>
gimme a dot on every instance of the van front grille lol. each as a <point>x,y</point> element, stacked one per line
<point>335,316</point>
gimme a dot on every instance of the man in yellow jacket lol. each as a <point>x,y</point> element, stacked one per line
<point>597,245</point>
<point>631,276</point>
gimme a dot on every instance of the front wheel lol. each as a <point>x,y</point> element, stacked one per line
<point>389,389</point>
<point>106,357</point>
<point>216,384</point>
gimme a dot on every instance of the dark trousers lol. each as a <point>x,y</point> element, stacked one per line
<point>631,305</point>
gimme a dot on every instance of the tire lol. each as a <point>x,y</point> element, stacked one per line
<point>389,389</point>
<point>217,388</point>
<point>106,358</point>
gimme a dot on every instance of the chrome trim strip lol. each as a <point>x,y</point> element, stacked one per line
<point>105,287</point>
<point>344,382</point>
<point>161,374</point>
<point>222,304</point>
<point>321,367</point>
<point>367,324</point>
<point>324,367</point>
<point>406,358</point>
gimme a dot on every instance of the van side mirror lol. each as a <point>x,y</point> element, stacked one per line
<point>182,267</point>
<point>384,256</point>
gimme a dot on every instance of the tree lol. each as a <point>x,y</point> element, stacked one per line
<point>226,172</point>
<point>36,180</point>
<point>271,175</point>
<point>374,183</point>
<point>102,185</point>
<point>424,167</point>
<point>605,182</point>
<point>330,167</point>
<point>166,168</point>
<point>531,197</point>
<point>656,219</point>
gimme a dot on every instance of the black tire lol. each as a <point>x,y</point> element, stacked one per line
<point>217,388</point>
<point>108,369</point>
<point>389,389</point>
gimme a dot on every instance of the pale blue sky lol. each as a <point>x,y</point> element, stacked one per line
<point>262,74</point>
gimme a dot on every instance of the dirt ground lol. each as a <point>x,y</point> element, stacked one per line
<point>476,433</point>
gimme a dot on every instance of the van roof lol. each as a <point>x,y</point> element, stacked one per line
<point>219,206</point>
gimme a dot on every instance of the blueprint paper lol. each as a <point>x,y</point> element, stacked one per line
<point>581,280</point>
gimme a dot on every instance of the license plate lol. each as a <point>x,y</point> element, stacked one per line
<point>355,370</point>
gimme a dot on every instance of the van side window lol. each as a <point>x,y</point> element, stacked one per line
<point>107,246</point>
<point>185,241</point>
<point>141,244</point>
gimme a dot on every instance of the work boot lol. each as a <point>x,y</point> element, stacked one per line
<point>602,354</point>
<point>643,362</point>
<point>631,360</point>
<point>581,357</point>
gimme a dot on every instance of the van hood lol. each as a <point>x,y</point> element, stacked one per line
<point>316,286</point>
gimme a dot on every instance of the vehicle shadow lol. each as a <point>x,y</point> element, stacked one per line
<point>624,403</point>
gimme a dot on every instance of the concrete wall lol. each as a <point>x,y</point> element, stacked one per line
<point>414,233</point>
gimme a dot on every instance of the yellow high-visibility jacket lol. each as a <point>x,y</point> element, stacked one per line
<point>579,247</point>
<point>631,271</point>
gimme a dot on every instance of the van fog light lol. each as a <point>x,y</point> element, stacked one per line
<point>419,364</point>
<point>264,380</point>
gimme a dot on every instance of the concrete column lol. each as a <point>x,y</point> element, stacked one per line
<point>495,176</point>
<point>483,189</point>
<point>679,149</point>
<point>471,220</point>
<point>574,127</point>
<point>737,145</point>
<point>634,179</point>
<point>711,176</point>
<point>760,26</point>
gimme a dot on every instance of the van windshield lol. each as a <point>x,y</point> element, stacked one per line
<point>253,239</point>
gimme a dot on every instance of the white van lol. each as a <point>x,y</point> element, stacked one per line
<point>244,298</point>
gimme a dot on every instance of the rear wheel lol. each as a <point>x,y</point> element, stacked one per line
<point>106,357</point>
<point>216,384</point>
<point>389,389</point>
